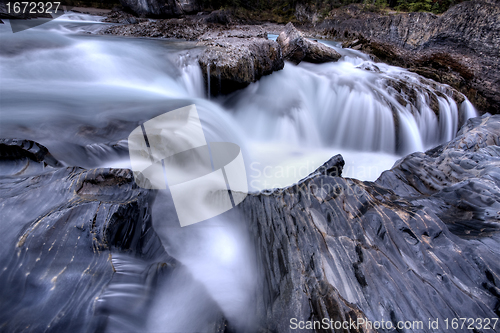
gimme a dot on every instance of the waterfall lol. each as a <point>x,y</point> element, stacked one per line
<point>220,78</point>
<point>467,111</point>
<point>448,119</point>
<point>191,76</point>
<point>348,107</point>
<point>301,115</point>
<point>208,81</point>
<point>81,96</point>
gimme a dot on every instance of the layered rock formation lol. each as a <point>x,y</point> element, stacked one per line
<point>234,59</point>
<point>60,229</point>
<point>155,8</point>
<point>189,28</point>
<point>297,48</point>
<point>459,48</point>
<point>421,242</point>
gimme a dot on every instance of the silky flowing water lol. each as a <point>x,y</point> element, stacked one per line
<point>80,95</point>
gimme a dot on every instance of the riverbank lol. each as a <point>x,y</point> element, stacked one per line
<point>456,48</point>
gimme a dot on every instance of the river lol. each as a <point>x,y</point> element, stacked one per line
<point>81,95</point>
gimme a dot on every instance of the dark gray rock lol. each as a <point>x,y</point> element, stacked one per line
<point>24,157</point>
<point>459,47</point>
<point>220,17</point>
<point>61,229</point>
<point>233,61</point>
<point>421,242</point>
<point>155,8</point>
<point>16,149</point>
<point>117,15</point>
<point>297,48</point>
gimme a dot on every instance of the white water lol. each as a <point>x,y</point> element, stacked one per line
<point>338,108</point>
<point>76,93</point>
<point>300,116</point>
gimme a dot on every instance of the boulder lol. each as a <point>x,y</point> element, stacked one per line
<point>62,232</point>
<point>297,48</point>
<point>232,63</point>
<point>79,252</point>
<point>219,16</point>
<point>403,248</point>
<point>16,149</point>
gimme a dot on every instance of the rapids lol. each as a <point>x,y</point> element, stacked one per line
<point>80,95</point>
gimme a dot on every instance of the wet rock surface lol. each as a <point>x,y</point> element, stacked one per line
<point>61,231</point>
<point>14,149</point>
<point>421,242</point>
<point>459,47</point>
<point>297,48</point>
<point>234,59</point>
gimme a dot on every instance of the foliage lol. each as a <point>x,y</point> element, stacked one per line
<point>284,10</point>
<point>375,5</point>
<point>92,3</point>
<point>434,6</point>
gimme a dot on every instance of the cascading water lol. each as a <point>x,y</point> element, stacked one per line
<point>208,81</point>
<point>82,95</point>
<point>349,107</point>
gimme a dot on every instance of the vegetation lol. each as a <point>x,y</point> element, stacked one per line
<point>435,6</point>
<point>92,3</point>
<point>285,9</point>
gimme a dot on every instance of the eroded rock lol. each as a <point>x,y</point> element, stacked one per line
<point>155,8</point>
<point>459,47</point>
<point>297,48</point>
<point>406,247</point>
<point>233,62</point>
<point>24,157</point>
<point>421,242</point>
<point>61,230</point>
<point>185,28</point>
